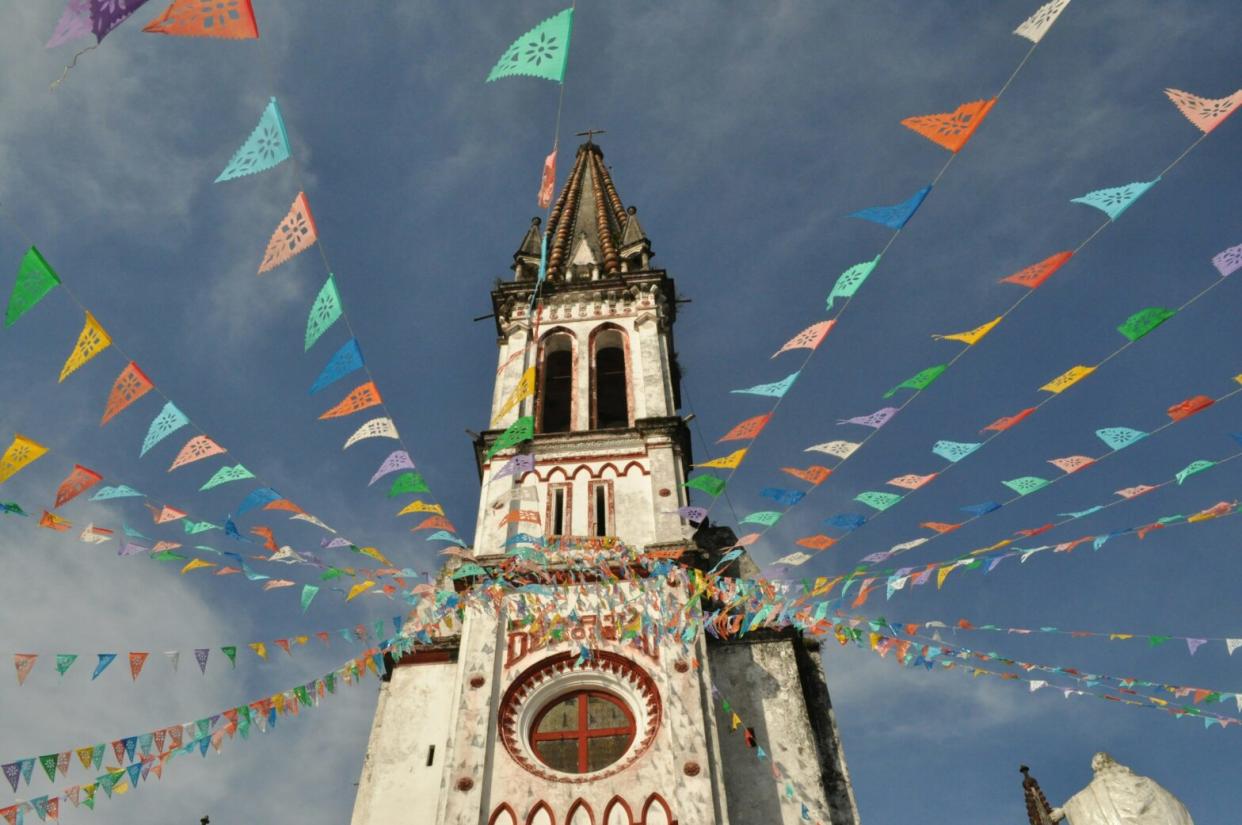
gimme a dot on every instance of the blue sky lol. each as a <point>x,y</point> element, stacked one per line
<point>743,133</point>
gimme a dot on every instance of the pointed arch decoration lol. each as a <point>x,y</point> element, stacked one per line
<point>503,815</point>
<point>657,812</point>
<point>580,813</point>
<point>618,812</point>
<point>541,814</point>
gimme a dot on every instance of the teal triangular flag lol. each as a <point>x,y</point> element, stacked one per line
<point>1026,484</point>
<point>1118,437</point>
<point>119,491</point>
<point>1194,467</point>
<point>765,517</point>
<point>267,146</point>
<point>64,661</point>
<point>226,474</point>
<point>308,593</point>
<point>776,389</point>
<point>165,424</point>
<point>880,501</point>
<point>954,450</point>
<point>851,279</point>
<point>324,312</point>
<point>1114,201</point>
<point>541,52</point>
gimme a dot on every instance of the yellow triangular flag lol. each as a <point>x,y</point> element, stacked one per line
<point>971,336</point>
<point>20,453</point>
<point>525,389</point>
<point>421,507</point>
<point>260,649</point>
<point>943,573</point>
<point>91,341</point>
<point>375,554</point>
<point>729,462</point>
<point>195,564</point>
<point>737,720</point>
<point>359,588</point>
<point>1067,379</point>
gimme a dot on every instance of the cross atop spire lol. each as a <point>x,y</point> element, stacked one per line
<point>589,133</point>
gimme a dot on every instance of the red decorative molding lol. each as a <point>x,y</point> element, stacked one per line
<point>534,812</point>
<point>613,804</point>
<point>503,815</point>
<point>579,803</point>
<point>656,800</point>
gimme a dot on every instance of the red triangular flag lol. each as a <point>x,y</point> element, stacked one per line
<point>80,480</point>
<point>1036,274</point>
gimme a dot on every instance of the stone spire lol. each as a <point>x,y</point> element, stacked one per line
<point>1037,809</point>
<point>590,234</point>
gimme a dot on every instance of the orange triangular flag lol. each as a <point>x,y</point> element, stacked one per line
<point>167,514</point>
<point>817,542</point>
<point>1036,274</point>
<point>434,523</point>
<point>200,446</point>
<point>951,129</point>
<point>815,474</point>
<point>363,397</point>
<point>295,234</point>
<point>78,482</point>
<point>129,386</point>
<point>136,661</point>
<point>283,504</point>
<point>747,430</point>
<point>54,522</point>
<point>193,18</point>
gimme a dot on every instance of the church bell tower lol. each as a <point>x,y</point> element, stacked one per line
<point>591,722</point>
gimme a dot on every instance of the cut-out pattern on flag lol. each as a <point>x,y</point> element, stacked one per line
<point>841,449</point>
<point>793,560</point>
<point>951,129</point>
<point>24,663</point>
<point>1144,321</point>
<point>196,449</point>
<point>1136,491</point>
<point>971,336</point>
<point>524,389</point>
<point>324,312</point>
<point>747,430</point>
<point>776,389</point>
<point>851,280</point>
<point>954,450</point>
<point>434,523</point>
<point>396,461</point>
<point>119,491</point>
<point>1035,274</point>
<point>226,475</point>
<point>407,483</point>
<point>911,481</point>
<point>706,483</point>
<point>920,382</point>
<point>876,419</point>
<point>295,234</point>
<point>809,338</point>
<point>347,359</point>
<point>541,52</point>
<point>519,464</point>
<point>165,424</point>
<point>267,146</point>
<point>233,19</point>
<point>79,480</point>
<point>764,517</point>
<point>136,661</point>
<point>106,15</point>
<point>1067,379</point>
<point>880,501</point>
<point>75,22</point>
<point>1115,200</point>
<point>814,475</point>
<point>1071,464</point>
<point>1005,422</point>
<point>547,181</point>
<point>896,216</point>
<point>21,452</point>
<point>166,514</point>
<point>1026,484</point>
<point>35,279</point>
<point>91,341</point>
<point>129,386</point>
<point>1204,113</point>
<point>361,398</point>
<point>1037,25</point>
<point>1228,261</point>
<point>817,542</point>
<point>693,514</point>
<point>1192,468</point>
<point>1187,408</point>
<point>421,507</point>
<point>521,430</point>
<point>1118,437</point>
<point>728,462</point>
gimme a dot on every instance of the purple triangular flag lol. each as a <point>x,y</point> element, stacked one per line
<point>75,22</point>
<point>696,514</point>
<point>520,463</point>
<point>1229,261</point>
<point>877,419</point>
<point>200,656</point>
<point>1195,644</point>
<point>399,460</point>
<point>106,15</point>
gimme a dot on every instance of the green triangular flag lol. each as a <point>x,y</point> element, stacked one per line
<point>709,484</point>
<point>303,697</point>
<point>541,52</point>
<point>1144,321</point>
<point>231,652</point>
<point>851,279</point>
<point>226,474</point>
<point>48,761</point>
<point>35,279</point>
<point>1026,484</point>
<point>521,430</point>
<point>1192,468</point>
<point>919,382</point>
<point>324,312</point>
<point>308,593</point>
<point>880,501</point>
<point>409,482</point>
<point>64,661</point>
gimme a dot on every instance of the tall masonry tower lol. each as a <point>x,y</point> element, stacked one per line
<point>498,723</point>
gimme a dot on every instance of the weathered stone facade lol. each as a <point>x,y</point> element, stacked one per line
<point>460,734</point>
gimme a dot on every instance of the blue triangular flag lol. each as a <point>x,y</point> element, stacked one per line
<point>848,521</point>
<point>105,659</point>
<point>787,497</point>
<point>257,498</point>
<point>267,146</point>
<point>133,771</point>
<point>981,508</point>
<point>346,360</point>
<point>896,216</point>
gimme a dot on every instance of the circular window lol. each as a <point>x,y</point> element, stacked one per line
<point>572,721</point>
<point>582,732</point>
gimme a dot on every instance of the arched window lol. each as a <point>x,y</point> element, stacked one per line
<point>582,731</point>
<point>610,405</point>
<point>557,392</point>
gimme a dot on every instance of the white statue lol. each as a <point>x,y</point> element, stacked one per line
<point>1118,796</point>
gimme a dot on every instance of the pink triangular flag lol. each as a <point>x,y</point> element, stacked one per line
<point>198,447</point>
<point>809,338</point>
<point>1204,113</point>
<point>295,234</point>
